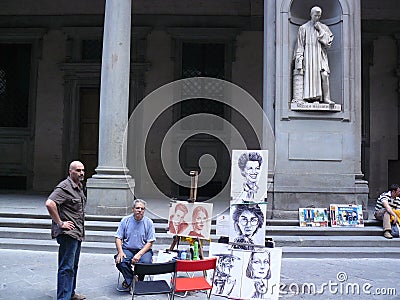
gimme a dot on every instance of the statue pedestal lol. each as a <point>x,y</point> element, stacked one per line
<point>314,106</point>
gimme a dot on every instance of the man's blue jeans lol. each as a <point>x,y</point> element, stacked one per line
<point>125,266</point>
<point>68,259</point>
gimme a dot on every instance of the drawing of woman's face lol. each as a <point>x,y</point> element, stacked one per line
<point>260,264</point>
<point>178,217</point>
<point>251,171</point>
<point>248,223</point>
<point>200,221</point>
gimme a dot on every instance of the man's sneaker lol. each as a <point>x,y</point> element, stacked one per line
<point>78,297</point>
<point>387,234</point>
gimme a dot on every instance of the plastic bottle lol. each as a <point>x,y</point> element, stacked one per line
<point>196,250</point>
<point>183,254</point>
<point>188,255</point>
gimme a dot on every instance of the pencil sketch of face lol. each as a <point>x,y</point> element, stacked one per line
<point>250,167</point>
<point>200,216</point>
<point>249,176</point>
<point>225,264</point>
<point>259,266</point>
<point>259,269</point>
<point>177,224</point>
<point>247,219</point>
<point>224,281</point>
<point>180,213</point>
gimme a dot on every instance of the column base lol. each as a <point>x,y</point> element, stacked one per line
<point>110,196</point>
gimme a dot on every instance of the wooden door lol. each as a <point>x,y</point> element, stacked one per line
<point>89,128</point>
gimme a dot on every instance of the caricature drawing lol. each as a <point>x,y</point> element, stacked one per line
<point>177,224</point>
<point>247,220</point>
<point>224,282</point>
<point>259,270</point>
<point>249,175</point>
<point>250,167</point>
<point>199,220</point>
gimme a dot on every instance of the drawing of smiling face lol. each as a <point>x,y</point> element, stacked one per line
<point>251,171</point>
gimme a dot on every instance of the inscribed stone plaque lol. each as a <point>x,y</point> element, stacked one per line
<point>315,146</point>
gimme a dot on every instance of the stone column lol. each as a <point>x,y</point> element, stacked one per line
<point>109,191</point>
<point>269,79</point>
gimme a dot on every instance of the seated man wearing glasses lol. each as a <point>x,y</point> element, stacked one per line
<point>134,239</point>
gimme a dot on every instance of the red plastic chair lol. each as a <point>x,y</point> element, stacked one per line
<point>195,283</point>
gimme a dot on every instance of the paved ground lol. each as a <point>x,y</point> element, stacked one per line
<point>32,275</point>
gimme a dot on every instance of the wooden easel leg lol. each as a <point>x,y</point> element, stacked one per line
<point>174,243</point>
<point>201,250</point>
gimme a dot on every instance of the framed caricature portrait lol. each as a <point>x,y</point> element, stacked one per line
<point>249,173</point>
<point>247,225</point>
<point>190,219</point>
<point>246,274</point>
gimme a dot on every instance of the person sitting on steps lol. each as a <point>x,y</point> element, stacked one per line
<point>385,206</point>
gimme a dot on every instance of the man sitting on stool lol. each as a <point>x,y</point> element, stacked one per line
<point>134,239</point>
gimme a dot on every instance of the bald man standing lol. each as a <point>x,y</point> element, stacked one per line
<point>66,207</point>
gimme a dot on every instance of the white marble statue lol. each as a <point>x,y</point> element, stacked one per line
<point>311,60</point>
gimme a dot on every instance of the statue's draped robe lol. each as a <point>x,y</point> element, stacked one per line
<point>312,48</point>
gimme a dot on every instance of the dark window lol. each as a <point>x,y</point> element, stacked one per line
<point>15,65</point>
<point>91,49</point>
<point>13,182</point>
<point>203,60</point>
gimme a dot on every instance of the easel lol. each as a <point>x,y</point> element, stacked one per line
<point>192,199</point>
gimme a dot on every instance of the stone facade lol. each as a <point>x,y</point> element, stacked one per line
<point>321,156</point>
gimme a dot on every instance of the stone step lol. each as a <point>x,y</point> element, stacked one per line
<point>32,232</point>
<point>165,239</point>
<point>335,241</point>
<point>269,222</point>
<point>112,226</point>
<point>89,225</point>
<point>287,252</point>
<point>295,222</point>
<point>323,231</point>
<point>340,252</point>
<point>87,247</point>
<point>90,236</point>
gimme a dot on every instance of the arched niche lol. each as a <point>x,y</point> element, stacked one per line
<point>335,14</point>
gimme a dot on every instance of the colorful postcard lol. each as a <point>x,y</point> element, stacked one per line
<point>313,217</point>
<point>347,215</point>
